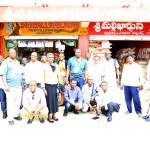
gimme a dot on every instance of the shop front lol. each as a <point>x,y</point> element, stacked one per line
<point>42,37</point>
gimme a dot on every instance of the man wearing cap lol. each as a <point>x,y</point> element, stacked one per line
<point>12,79</point>
<point>132,81</point>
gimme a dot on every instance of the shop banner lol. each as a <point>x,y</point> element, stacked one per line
<point>119,28</point>
<point>74,13</point>
<point>42,28</point>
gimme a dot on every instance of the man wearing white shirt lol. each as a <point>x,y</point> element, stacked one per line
<point>132,81</point>
<point>107,102</point>
<point>33,70</point>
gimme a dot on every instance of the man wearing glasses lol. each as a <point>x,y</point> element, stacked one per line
<point>34,102</point>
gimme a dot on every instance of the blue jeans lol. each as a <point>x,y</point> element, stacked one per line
<point>3,101</point>
<point>112,107</point>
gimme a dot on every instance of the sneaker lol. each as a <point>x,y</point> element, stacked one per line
<point>139,115</point>
<point>127,112</point>
<point>11,123</point>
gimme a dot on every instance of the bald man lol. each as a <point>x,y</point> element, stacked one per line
<point>34,102</point>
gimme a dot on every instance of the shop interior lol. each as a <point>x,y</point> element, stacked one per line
<point>42,47</point>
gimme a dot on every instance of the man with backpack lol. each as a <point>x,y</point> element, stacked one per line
<point>111,68</point>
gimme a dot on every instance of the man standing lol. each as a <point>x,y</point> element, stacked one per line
<point>12,79</point>
<point>63,69</point>
<point>111,68</point>
<point>34,102</point>
<point>132,81</point>
<point>34,70</point>
<point>2,93</point>
<point>77,69</point>
<point>73,98</point>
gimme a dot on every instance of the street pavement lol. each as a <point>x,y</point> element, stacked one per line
<point>80,132</point>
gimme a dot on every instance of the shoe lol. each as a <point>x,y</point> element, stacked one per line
<point>11,123</point>
<point>21,106</point>
<point>145,117</point>
<point>30,121</point>
<point>54,118</point>
<point>50,121</point>
<point>4,116</point>
<point>41,120</point>
<point>139,115</point>
<point>65,114</point>
<point>127,112</point>
<point>18,118</point>
<point>109,119</point>
<point>75,112</point>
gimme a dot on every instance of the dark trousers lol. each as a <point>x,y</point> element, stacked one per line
<point>132,92</point>
<point>112,107</point>
<point>3,101</point>
<point>68,107</point>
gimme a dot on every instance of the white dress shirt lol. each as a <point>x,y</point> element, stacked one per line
<point>132,75</point>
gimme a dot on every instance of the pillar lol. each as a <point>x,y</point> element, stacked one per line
<point>2,46</point>
<point>83,44</point>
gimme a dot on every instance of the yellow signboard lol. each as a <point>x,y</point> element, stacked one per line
<point>42,28</point>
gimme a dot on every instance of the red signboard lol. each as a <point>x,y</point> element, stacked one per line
<point>119,28</point>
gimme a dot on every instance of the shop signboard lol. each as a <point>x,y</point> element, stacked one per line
<point>119,28</point>
<point>42,28</point>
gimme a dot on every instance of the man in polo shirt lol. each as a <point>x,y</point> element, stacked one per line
<point>12,79</point>
<point>77,69</point>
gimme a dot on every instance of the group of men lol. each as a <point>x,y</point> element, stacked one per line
<point>89,85</point>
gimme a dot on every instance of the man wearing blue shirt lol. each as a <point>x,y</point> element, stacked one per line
<point>12,79</point>
<point>73,98</point>
<point>77,69</point>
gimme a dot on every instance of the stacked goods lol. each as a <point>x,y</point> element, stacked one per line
<point>143,64</point>
<point>99,48</point>
<point>122,54</point>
